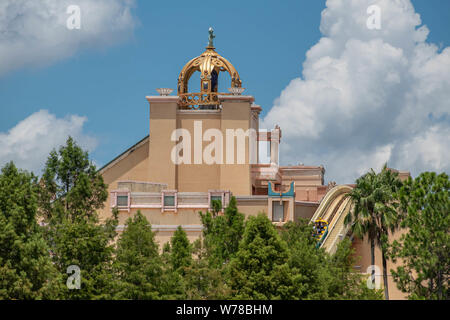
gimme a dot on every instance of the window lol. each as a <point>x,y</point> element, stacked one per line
<point>264,151</point>
<point>216,198</point>
<point>122,201</point>
<point>169,201</point>
<point>277,211</point>
<point>215,201</point>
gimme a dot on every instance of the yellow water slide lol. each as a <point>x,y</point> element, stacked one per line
<point>333,208</point>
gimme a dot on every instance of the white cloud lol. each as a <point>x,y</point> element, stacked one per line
<point>428,150</point>
<point>35,33</point>
<point>368,96</point>
<point>29,143</point>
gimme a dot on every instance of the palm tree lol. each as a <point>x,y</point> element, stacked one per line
<point>374,212</point>
<point>387,215</point>
<point>362,218</point>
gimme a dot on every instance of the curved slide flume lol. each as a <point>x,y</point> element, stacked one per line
<point>333,208</point>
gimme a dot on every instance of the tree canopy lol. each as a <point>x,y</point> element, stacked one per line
<point>71,191</point>
<point>424,249</point>
<point>260,268</point>
<point>26,271</point>
<point>222,233</point>
<point>138,264</point>
<point>50,224</point>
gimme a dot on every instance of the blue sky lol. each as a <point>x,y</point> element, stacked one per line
<point>265,40</point>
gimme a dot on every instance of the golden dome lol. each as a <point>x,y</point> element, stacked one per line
<point>209,64</point>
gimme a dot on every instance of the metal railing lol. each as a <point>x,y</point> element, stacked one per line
<point>200,100</point>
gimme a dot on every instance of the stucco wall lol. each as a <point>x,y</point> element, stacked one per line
<point>133,167</point>
<point>198,177</point>
<point>363,256</point>
<point>305,211</point>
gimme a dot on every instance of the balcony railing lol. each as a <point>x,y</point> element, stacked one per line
<point>181,200</point>
<point>200,100</point>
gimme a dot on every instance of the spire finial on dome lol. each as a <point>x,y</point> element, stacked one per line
<point>211,38</point>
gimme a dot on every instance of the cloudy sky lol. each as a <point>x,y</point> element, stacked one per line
<point>345,96</point>
<point>369,96</point>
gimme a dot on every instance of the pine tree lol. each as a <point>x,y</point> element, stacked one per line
<point>173,286</point>
<point>180,251</point>
<point>177,259</point>
<point>26,271</point>
<point>260,268</point>
<point>138,264</point>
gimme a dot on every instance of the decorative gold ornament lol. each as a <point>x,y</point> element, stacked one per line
<point>164,91</point>
<point>209,64</point>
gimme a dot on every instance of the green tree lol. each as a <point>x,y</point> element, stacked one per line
<point>71,187</point>
<point>374,212</point>
<point>216,207</point>
<point>180,251</point>
<point>71,190</point>
<point>424,249</point>
<point>308,264</point>
<point>260,268</point>
<point>26,271</point>
<point>362,218</point>
<point>177,259</point>
<point>316,274</point>
<point>173,285</point>
<point>345,282</point>
<point>138,264</point>
<point>222,233</point>
<point>204,282</point>
<point>84,243</point>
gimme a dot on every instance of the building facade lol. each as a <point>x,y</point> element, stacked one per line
<point>207,145</point>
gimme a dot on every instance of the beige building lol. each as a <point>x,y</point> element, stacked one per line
<point>206,146</point>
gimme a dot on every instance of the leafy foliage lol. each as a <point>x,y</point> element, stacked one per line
<point>346,283</point>
<point>260,269</point>
<point>84,243</point>
<point>316,274</point>
<point>235,259</point>
<point>205,282</point>
<point>138,265</point>
<point>424,249</point>
<point>307,263</point>
<point>180,251</point>
<point>26,271</point>
<point>71,190</point>
<point>222,233</point>
<point>71,187</point>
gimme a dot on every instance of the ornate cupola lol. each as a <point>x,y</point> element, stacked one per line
<point>209,64</point>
